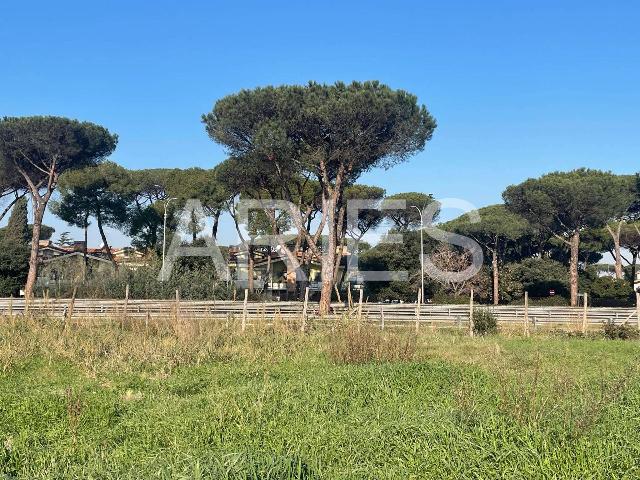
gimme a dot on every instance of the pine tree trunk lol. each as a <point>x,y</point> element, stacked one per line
<point>106,246</point>
<point>494,271</point>
<point>35,248</point>
<point>574,244</point>
<point>617,256</point>
<point>216,221</point>
<point>250,253</point>
<point>328,258</point>
<point>85,262</point>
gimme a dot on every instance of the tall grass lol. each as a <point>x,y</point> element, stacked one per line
<point>205,400</point>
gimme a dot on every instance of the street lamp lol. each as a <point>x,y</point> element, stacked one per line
<point>421,255</point>
<point>164,233</point>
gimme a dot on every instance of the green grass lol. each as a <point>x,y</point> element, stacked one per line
<point>205,402</point>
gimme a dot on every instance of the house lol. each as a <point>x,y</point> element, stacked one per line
<point>65,265</point>
<point>70,268</point>
<point>605,270</point>
<point>271,273</point>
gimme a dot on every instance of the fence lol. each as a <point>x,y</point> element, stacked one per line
<point>384,314</point>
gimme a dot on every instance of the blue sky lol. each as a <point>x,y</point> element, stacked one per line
<point>518,88</point>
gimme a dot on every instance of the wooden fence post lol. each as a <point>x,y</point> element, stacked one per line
<point>177,305</point>
<point>471,314</point>
<point>418,309</point>
<point>526,314</point>
<point>126,304</point>
<point>382,316</point>
<point>71,304</point>
<point>584,313</point>
<point>244,309</point>
<point>349,297</point>
<point>360,305</point>
<point>638,309</point>
<point>304,309</point>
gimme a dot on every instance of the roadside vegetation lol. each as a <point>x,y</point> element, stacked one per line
<point>201,400</point>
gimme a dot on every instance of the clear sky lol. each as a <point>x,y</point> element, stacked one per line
<point>518,88</point>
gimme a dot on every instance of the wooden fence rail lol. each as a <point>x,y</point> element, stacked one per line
<point>389,314</point>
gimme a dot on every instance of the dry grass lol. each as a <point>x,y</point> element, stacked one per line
<point>132,399</point>
<point>363,344</point>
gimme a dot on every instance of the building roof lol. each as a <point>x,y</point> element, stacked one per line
<point>75,254</point>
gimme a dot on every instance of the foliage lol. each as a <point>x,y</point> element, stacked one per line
<point>409,218</point>
<point>328,133</point>
<point>537,276</point>
<point>610,292</point>
<point>65,239</point>
<point>35,151</point>
<point>94,192</point>
<point>448,259</point>
<point>484,322</point>
<point>499,230</point>
<point>613,331</point>
<point>46,231</point>
<point>566,202</point>
<point>367,219</point>
<point>388,257</point>
<point>195,278</point>
<point>365,344</point>
<point>398,291</point>
<point>14,251</point>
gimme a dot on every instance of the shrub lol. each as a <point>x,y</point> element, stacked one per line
<point>484,322</point>
<point>620,332</point>
<point>535,275</point>
<point>368,344</point>
<point>611,292</point>
<point>552,301</point>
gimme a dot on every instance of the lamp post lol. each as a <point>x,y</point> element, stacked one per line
<point>164,233</point>
<point>421,255</point>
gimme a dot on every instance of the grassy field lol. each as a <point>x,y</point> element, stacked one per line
<point>197,401</point>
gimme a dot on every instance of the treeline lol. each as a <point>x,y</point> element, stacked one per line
<point>308,145</point>
<point>546,238</point>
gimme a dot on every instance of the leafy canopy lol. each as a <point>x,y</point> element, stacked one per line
<point>566,202</point>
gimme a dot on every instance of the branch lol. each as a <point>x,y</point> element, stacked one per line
<point>13,202</point>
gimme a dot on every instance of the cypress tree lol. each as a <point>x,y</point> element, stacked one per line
<point>17,229</point>
<point>14,250</point>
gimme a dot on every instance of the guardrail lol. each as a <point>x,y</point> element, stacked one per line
<point>389,314</point>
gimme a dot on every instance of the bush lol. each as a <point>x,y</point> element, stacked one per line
<point>444,299</point>
<point>620,332</point>
<point>553,301</point>
<point>535,275</point>
<point>368,344</point>
<point>611,292</point>
<point>196,279</point>
<point>484,322</point>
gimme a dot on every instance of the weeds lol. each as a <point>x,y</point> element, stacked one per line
<point>363,344</point>
<point>204,400</point>
<point>484,322</point>
<point>624,331</point>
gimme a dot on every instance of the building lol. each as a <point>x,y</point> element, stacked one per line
<point>65,265</point>
<point>271,274</point>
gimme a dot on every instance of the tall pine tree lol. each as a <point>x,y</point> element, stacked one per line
<point>14,251</point>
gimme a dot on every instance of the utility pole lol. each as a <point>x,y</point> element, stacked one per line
<point>421,254</point>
